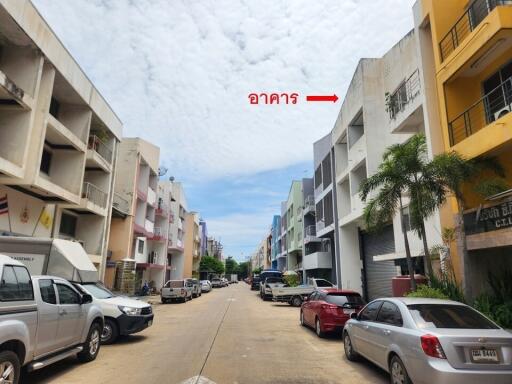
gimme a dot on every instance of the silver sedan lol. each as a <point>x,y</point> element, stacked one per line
<point>430,341</point>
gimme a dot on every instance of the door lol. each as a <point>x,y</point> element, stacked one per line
<point>48,313</point>
<point>384,330</point>
<point>308,308</point>
<point>70,316</point>
<point>362,329</point>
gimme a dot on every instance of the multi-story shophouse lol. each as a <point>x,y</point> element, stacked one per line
<point>275,246</point>
<point>136,244</point>
<point>58,138</point>
<point>367,124</point>
<point>466,55</point>
<point>176,242</point>
<point>203,235</point>
<point>192,245</point>
<point>214,248</point>
<point>294,227</point>
<point>282,256</point>
<point>322,203</point>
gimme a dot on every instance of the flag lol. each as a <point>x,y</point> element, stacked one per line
<point>4,207</point>
<point>46,219</point>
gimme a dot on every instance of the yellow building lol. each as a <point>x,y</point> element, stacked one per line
<point>466,51</point>
<point>192,245</point>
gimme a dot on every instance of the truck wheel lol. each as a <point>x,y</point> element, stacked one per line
<point>297,301</point>
<point>110,332</point>
<point>91,345</point>
<point>9,367</point>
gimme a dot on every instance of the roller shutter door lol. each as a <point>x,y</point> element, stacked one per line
<point>378,274</point>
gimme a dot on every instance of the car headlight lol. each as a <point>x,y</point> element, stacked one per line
<point>130,311</point>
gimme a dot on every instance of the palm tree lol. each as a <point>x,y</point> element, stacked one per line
<point>452,171</point>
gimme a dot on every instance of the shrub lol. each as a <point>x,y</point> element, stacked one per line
<point>291,280</point>
<point>448,286</point>
<point>497,311</point>
<point>428,292</point>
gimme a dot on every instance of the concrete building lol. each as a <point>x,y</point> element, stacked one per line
<point>136,244</point>
<point>192,245</point>
<point>59,138</point>
<point>275,246</point>
<point>466,56</point>
<point>203,235</point>
<point>214,248</point>
<point>294,227</point>
<point>282,256</point>
<point>176,242</point>
<point>383,106</point>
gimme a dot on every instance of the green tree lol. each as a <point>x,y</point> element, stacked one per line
<point>212,265</point>
<point>243,270</point>
<point>231,266</point>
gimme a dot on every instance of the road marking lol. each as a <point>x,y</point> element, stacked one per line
<point>198,380</point>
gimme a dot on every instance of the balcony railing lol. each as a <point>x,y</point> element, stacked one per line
<point>403,95</point>
<point>311,230</point>
<point>94,194</point>
<point>100,147</point>
<point>475,13</point>
<point>489,108</point>
<point>121,204</point>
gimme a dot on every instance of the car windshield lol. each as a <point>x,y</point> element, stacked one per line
<point>215,279</point>
<point>274,280</point>
<point>266,275</point>
<point>175,284</point>
<point>341,299</point>
<point>448,316</point>
<point>323,283</point>
<point>98,291</point>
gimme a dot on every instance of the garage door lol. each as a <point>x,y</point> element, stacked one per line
<point>378,274</point>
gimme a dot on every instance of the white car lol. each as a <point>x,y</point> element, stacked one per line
<point>206,286</point>
<point>123,316</point>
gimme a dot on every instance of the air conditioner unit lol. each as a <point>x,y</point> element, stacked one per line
<point>502,112</point>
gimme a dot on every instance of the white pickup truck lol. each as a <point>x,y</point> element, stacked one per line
<point>295,295</point>
<point>44,319</point>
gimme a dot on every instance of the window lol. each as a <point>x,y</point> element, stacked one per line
<point>369,313</point>
<point>340,300</point>
<point>406,217</point>
<point>328,209</point>
<point>98,291</point>
<point>46,160</point>
<point>47,291</point>
<point>318,176</point>
<point>16,284</point>
<point>448,316</point>
<point>323,283</point>
<point>390,314</point>
<point>54,107</point>
<point>326,170</point>
<point>140,246</point>
<point>67,295</point>
<point>319,211</point>
<point>68,224</point>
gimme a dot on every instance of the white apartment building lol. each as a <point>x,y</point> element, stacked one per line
<point>282,255</point>
<point>366,125</point>
<point>58,138</point>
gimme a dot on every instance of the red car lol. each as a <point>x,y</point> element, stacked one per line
<point>327,310</point>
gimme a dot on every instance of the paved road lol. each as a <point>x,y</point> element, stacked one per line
<point>228,336</point>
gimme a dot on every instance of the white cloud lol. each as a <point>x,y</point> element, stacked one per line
<point>178,72</point>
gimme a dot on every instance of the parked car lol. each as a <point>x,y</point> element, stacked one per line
<point>269,284</point>
<point>196,287</point>
<point>206,286</point>
<point>44,319</point>
<point>258,279</point>
<point>123,316</point>
<point>176,290</point>
<point>430,341</point>
<point>225,282</point>
<point>296,295</point>
<point>327,310</point>
<point>255,283</point>
<point>216,282</point>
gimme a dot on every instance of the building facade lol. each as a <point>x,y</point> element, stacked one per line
<point>203,234</point>
<point>275,246</point>
<point>192,245</point>
<point>176,237</point>
<point>59,138</point>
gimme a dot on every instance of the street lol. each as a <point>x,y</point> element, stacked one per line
<point>226,336</point>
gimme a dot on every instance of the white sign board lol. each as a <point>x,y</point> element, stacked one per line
<point>34,262</point>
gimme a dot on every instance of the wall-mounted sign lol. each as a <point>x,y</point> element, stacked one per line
<point>489,218</point>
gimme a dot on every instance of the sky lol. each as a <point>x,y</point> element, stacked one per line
<point>178,74</point>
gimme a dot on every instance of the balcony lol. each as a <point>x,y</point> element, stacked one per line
<point>161,209</point>
<point>149,227</point>
<point>94,199</point>
<point>468,22</point>
<point>317,260</point>
<point>309,205</point>
<point>158,234</point>
<point>310,234</point>
<point>491,107</point>
<point>99,155</point>
<point>120,206</point>
<point>151,197</point>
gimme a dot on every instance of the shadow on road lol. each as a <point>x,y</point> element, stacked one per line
<point>47,375</point>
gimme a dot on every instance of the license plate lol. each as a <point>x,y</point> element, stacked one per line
<point>150,323</point>
<point>484,356</point>
<point>348,311</point>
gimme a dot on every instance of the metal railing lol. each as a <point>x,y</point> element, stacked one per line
<point>158,232</point>
<point>474,15</point>
<point>100,147</point>
<point>311,230</point>
<point>94,194</point>
<point>403,95</point>
<point>121,204</point>
<point>489,108</point>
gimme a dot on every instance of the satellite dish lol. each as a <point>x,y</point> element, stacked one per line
<point>171,179</point>
<point>162,171</point>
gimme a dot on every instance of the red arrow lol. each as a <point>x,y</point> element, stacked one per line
<point>332,98</point>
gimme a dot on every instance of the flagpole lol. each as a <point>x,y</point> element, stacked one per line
<point>38,220</point>
<point>9,218</point>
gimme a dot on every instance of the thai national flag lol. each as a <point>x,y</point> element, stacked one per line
<point>4,207</point>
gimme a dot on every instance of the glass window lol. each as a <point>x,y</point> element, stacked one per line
<point>326,171</point>
<point>25,291</point>
<point>67,295</point>
<point>47,291</point>
<point>98,291</point>
<point>318,176</point>
<point>323,283</point>
<point>448,316</point>
<point>9,285</point>
<point>68,224</point>
<point>140,246</point>
<point>369,313</point>
<point>342,299</point>
<point>390,314</point>
<point>46,160</point>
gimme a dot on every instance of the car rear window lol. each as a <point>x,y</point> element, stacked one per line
<point>176,283</point>
<point>274,280</point>
<point>448,316</point>
<point>341,299</point>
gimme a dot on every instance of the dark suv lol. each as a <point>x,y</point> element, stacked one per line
<point>255,283</point>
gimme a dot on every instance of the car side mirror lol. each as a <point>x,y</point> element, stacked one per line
<point>306,299</point>
<point>353,315</point>
<point>86,299</point>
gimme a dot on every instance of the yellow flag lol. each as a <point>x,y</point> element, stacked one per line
<point>46,219</point>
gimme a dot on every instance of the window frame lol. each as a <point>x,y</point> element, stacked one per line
<point>17,283</point>
<point>69,287</point>
<point>366,306</point>
<point>54,291</point>
<point>66,213</point>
